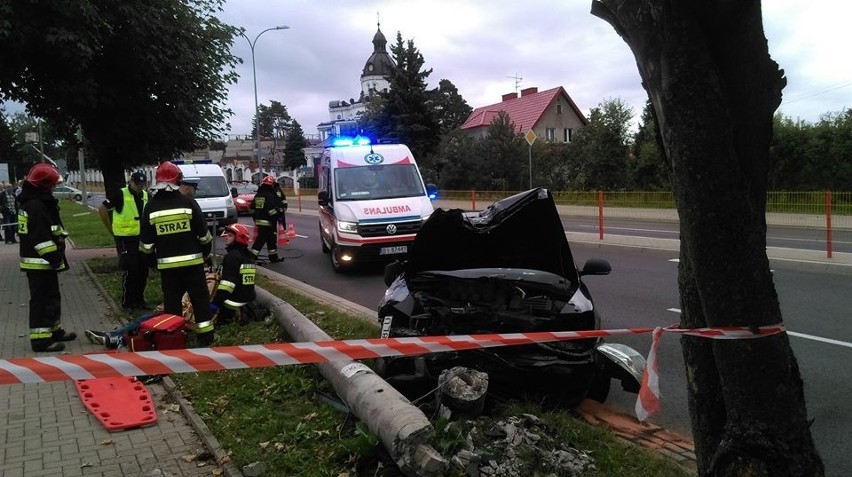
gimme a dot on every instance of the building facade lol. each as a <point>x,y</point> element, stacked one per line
<point>551,114</point>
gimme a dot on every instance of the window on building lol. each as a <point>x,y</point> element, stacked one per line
<point>558,109</point>
<point>568,133</point>
<point>550,134</point>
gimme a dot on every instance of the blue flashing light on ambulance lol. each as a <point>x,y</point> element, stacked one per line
<point>372,201</point>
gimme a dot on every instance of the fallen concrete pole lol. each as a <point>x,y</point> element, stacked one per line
<point>403,429</point>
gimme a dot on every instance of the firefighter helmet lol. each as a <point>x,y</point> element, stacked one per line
<point>240,231</point>
<point>268,180</point>
<point>43,176</point>
<point>168,173</point>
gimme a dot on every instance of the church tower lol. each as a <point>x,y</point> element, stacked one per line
<point>343,114</point>
<point>378,67</point>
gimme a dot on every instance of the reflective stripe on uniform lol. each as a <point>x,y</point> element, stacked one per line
<point>45,247</point>
<point>227,286</point>
<point>30,263</point>
<point>169,214</point>
<point>180,261</point>
<point>42,333</point>
<point>146,247</point>
<point>263,222</point>
<point>204,327</point>
<point>233,305</point>
<point>58,231</point>
<point>207,238</point>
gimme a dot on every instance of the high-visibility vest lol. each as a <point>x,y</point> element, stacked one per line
<point>126,223</point>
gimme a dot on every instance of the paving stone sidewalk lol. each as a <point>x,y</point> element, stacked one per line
<point>44,428</point>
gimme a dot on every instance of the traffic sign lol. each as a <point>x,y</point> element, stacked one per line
<point>530,137</point>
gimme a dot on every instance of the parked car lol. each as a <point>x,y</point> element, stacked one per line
<point>63,191</point>
<point>243,194</point>
<point>506,269</point>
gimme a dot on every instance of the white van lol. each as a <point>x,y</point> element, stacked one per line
<point>372,201</point>
<point>213,195</point>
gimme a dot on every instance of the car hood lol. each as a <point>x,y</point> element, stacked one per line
<point>522,231</point>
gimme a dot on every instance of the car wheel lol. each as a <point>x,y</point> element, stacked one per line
<point>336,264</point>
<point>78,197</point>
<point>599,389</point>
<point>325,248</point>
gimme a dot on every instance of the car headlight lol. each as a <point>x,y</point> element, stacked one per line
<point>348,227</point>
<point>240,201</point>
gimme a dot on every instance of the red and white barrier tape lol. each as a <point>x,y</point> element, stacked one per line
<point>648,400</point>
<point>106,365</point>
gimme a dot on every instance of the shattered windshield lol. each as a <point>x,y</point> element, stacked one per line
<point>382,181</point>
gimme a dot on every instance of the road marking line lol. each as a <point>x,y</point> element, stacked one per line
<point>819,338</point>
<point>798,335</point>
<point>675,260</point>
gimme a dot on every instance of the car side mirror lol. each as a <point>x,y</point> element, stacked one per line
<point>432,191</point>
<point>234,192</point>
<point>322,197</point>
<point>596,266</point>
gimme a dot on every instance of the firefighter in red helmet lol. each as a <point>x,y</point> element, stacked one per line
<point>42,252</point>
<point>174,231</point>
<point>265,211</point>
<point>236,277</point>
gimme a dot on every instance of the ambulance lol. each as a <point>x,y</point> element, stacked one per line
<point>372,201</point>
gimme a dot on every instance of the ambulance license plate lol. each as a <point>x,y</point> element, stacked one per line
<point>393,250</point>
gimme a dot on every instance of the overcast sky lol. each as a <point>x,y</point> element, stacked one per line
<point>480,45</point>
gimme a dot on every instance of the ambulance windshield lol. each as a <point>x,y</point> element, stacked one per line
<point>385,181</point>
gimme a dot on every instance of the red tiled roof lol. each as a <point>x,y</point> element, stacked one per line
<point>524,111</point>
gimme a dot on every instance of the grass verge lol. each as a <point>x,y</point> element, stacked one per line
<point>84,225</point>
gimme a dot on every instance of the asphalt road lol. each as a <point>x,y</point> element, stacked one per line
<point>642,291</point>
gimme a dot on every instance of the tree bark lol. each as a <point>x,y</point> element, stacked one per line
<point>706,67</point>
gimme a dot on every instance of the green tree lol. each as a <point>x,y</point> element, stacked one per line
<point>505,153</point>
<point>450,107</point>
<point>647,168</point>
<point>274,120</point>
<point>706,67</point>
<point>404,112</point>
<point>294,154</point>
<point>456,163</point>
<point>550,165</point>
<point>144,78</point>
<point>602,148</point>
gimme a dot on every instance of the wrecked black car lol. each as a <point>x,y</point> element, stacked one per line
<point>505,269</point>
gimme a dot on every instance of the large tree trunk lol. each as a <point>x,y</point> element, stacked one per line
<point>707,70</point>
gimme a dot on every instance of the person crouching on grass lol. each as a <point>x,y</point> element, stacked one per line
<point>236,281</point>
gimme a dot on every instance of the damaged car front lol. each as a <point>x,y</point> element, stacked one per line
<point>505,269</point>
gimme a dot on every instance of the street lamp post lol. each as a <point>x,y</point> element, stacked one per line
<point>256,106</point>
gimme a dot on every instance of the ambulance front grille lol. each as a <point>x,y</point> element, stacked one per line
<point>381,230</point>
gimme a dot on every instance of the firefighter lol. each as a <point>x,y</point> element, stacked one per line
<point>174,231</point>
<point>265,209</point>
<point>281,204</point>
<point>121,214</point>
<point>42,252</point>
<point>236,279</point>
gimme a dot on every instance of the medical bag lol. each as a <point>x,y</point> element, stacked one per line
<point>160,332</point>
